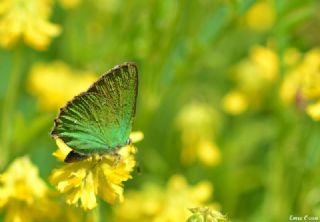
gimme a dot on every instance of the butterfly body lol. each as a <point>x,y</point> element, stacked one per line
<point>99,120</point>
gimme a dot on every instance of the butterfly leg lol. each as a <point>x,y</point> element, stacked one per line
<point>138,168</point>
<point>117,158</point>
<point>74,156</point>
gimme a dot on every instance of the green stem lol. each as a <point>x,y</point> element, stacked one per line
<point>96,214</point>
<point>8,108</point>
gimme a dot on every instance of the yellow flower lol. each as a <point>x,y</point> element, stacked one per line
<point>56,83</point>
<point>261,16</point>
<point>96,175</point>
<point>301,85</point>
<point>255,72</point>
<point>24,195</point>
<point>208,153</point>
<point>313,110</point>
<point>27,20</point>
<point>310,69</point>
<point>290,86</point>
<point>235,103</point>
<point>266,61</point>
<point>157,204</point>
<point>205,214</point>
<point>69,4</point>
<point>254,77</point>
<point>198,124</point>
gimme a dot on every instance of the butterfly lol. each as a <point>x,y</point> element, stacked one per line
<point>99,120</point>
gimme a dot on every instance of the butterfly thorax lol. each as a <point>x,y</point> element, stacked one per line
<point>74,156</point>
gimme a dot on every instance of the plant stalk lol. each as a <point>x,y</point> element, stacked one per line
<point>8,108</point>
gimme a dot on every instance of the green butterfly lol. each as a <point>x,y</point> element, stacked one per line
<point>99,120</point>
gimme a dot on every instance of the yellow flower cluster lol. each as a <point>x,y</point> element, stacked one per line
<point>235,102</point>
<point>205,214</point>
<point>301,84</point>
<point>198,124</point>
<point>253,76</point>
<point>69,4</point>
<point>24,195</point>
<point>261,16</point>
<point>158,204</point>
<point>27,20</point>
<point>96,175</point>
<point>56,83</point>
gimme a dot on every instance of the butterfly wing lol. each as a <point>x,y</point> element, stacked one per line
<point>100,119</point>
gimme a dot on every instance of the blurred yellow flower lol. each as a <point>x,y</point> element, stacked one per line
<point>198,124</point>
<point>266,62</point>
<point>96,175</point>
<point>301,84</point>
<point>261,16</point>
<point>254,77</point>
<point>313,110</point>
<point>310,69</point>
<point>27,20</point>
<point>157,204</point>
<point>290,86</point>
<point>235,103</point>
<point>208,153</point>
<point>56,83</point>
<point>23,194</point>
<point>205,214</point>
<point>69,4</point>
<point>254,73</point>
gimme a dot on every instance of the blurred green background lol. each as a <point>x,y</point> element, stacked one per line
<point>227,94</point>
